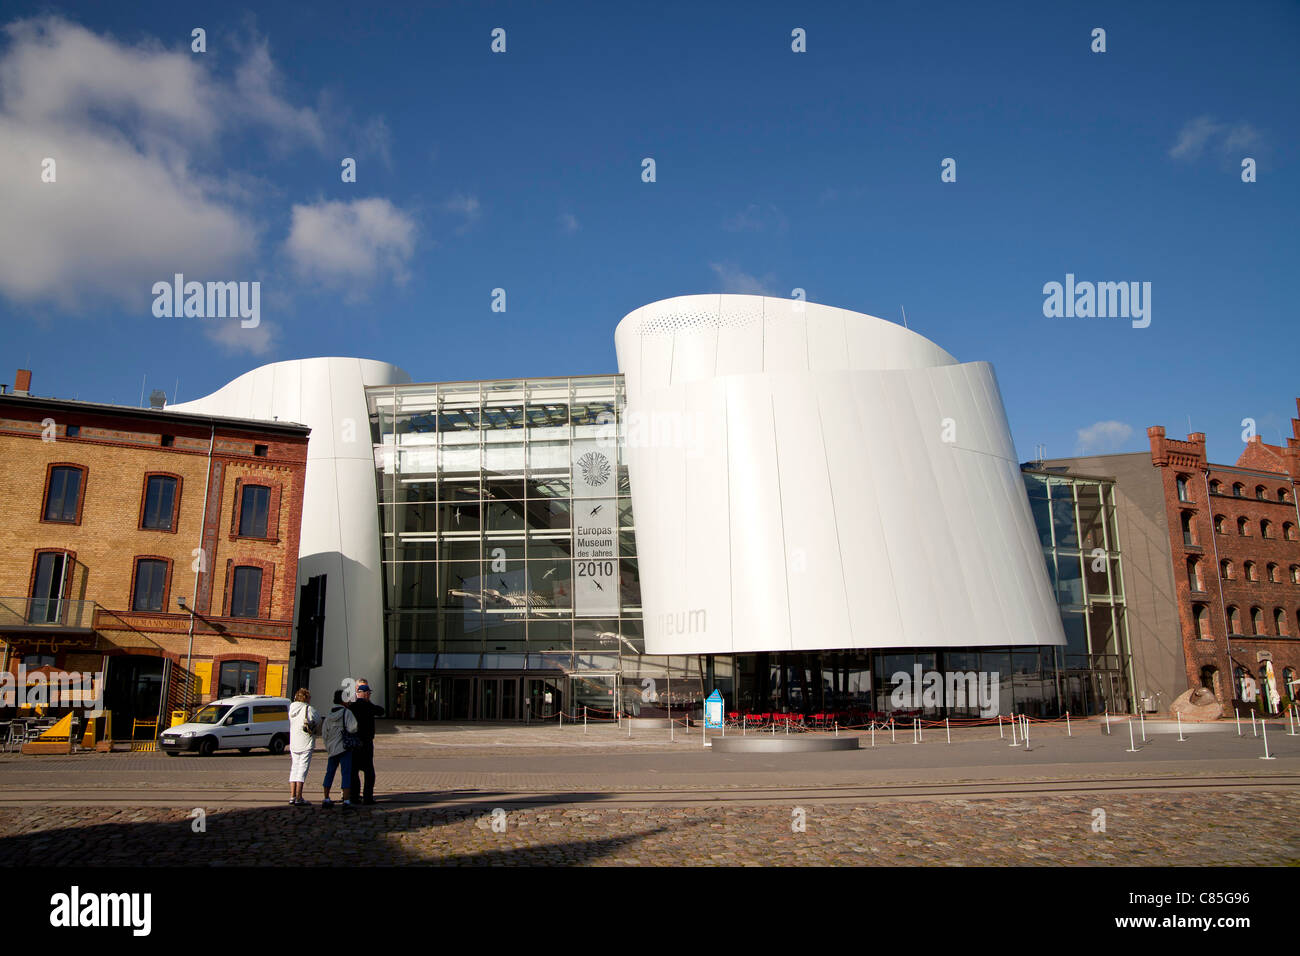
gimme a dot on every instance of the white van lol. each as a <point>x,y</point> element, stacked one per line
<point>239,723</point>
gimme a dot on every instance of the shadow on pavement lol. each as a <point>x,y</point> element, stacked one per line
<point>387,834</point>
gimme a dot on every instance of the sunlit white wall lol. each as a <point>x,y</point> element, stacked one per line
<point>806,477</point>
<point>340,524</point>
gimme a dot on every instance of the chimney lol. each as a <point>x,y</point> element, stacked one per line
<point>22,381</point>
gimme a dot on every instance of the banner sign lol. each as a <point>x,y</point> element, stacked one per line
<point>595,531</point>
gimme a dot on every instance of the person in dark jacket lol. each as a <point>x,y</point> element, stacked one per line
<point>363,757</point>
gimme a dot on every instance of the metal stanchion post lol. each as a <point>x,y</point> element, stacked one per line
<point>1001,735</point>
<point>947,730</point>
<point>873,733</point>
<point>1181,739</point>
<point>1236,713</point>
<point>1142,719</point>
<point>584,718</point>
<point>891,731</point>
<point>1132,747</point>
<point>1253,731</point>
<point>1266,755</point>
<point>1068,733</point>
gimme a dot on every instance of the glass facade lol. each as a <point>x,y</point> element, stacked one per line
<point>1076,523</point>
<point>511,588</point>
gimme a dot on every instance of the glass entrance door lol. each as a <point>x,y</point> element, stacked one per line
<point>545,696</point>
<point>489,699</point>
<point>462,698</point>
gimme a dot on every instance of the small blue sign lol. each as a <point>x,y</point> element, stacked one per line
<point>713,710</point>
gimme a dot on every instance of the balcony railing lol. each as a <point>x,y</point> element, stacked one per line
<point>29,612</point>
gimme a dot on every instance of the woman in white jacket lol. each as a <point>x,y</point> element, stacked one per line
<point>340,720</point>
<point>304,725</point>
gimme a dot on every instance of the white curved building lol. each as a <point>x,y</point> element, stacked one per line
<point>843,483</point>
<point>340,526</point>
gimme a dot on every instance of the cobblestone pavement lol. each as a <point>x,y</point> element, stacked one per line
<point>1183,829</point>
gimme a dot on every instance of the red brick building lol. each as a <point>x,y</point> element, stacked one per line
<point>111,516</point>
<point>1235,547</point>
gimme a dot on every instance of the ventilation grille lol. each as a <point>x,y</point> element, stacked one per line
<point>668,323</point>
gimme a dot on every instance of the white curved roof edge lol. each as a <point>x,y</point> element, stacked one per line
<point>727,310</point>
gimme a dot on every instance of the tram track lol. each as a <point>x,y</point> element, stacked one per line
<point>478,798</point>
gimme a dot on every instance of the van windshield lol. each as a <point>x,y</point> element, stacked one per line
<point>211,714</point>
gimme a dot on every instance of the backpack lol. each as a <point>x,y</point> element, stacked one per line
<point>351,741</point>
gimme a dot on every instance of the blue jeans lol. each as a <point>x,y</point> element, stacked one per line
<point>342,761</point>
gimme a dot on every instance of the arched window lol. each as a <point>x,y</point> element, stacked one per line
<point>1282,495</point>
<point>1234,620</point>
<point>1181,483</point>
<point>1238,490</point>
<point>1201,620</point>
<point>1261,493</point>
<point>1288,530</point>
<point>1272,574</point>
<point>1289,682</point>
<point>1220,524</point>
<point>1279,618</point>
<point>246,592</point>
<point>1216,488</point>
<point>64,493</point>
<point>1188,537</point>
<point>1256,621</point>
<point>1194,574</point>
<point>1225,569</point>
<point>1295,574</point>
<point>1243,527</point>
<point>1250,571</point>
<point>1265,529</point>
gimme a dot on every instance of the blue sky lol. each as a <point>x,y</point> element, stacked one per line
<point>775,170</point>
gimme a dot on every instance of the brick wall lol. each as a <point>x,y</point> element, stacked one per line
<point>117,451</point>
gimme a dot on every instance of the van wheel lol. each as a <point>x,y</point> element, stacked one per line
<point>206,746</point>
<point>277,745</point>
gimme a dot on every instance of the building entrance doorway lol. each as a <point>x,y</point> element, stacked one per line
<point>484,696</point>
<point>498,698</point>
<point>133,692</point>
<point>545,697</point>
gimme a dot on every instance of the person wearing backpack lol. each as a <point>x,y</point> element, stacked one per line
<point>304,722</point>
<point>340,740</point>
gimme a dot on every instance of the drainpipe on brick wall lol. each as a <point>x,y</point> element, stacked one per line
<point>1218,576</point>
<point>203,520</point>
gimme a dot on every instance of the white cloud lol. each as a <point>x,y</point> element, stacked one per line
<point>1224,139</point>
<point>741,283</point>
<point>130,128</point>
<point>466,207</point>
<point>1101,437</point>
<point>350,245</point>
<point>568,223</point>
<point>234,339</point>
<point>756,218</point>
